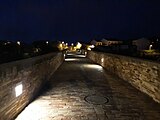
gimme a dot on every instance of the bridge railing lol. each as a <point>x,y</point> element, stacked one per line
<point>142,74</point>
<point>21,80</point>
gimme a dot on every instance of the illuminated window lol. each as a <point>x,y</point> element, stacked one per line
<point>18,89</point>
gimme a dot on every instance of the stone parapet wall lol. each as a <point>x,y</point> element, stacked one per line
<point>32,73</point>
<point>142,74</point>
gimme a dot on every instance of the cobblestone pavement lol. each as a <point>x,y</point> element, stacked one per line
<point>80,90</point>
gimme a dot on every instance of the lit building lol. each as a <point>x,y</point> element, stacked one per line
<point>96,43</point>
<point>110,42</point>
<point>142,44</point>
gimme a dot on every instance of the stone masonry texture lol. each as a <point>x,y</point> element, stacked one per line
<point>63,97</point>
<point>32,73</point>
<point>142,74</point>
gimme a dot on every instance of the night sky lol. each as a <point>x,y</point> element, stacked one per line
<point>78,20</point>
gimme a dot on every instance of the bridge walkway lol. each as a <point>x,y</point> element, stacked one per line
<point>83,90</point>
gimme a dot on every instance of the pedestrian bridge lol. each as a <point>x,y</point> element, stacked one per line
<point>78,89</point>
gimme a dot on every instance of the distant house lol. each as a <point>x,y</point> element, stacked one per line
<point>110,42</point>
<point>142,44</point>
<point>96,43</point>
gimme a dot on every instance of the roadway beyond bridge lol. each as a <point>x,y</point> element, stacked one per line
<point>83,90</point>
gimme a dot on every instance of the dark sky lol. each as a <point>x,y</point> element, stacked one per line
<point>83,20</point>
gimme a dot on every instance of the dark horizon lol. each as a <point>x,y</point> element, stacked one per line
<point>78,20</point>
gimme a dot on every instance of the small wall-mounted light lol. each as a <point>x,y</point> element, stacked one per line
<point>47,42</point>
<point>85,53</point>
<point>102,60</point>
<point>18,89</point>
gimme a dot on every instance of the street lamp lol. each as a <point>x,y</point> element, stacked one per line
<point>18,42</point>
<point>150,47</point>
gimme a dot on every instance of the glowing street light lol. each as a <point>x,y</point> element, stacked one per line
<point>79,45</point>
<point>47,42</point>
<point>18,42</point>
<point>150,47</point>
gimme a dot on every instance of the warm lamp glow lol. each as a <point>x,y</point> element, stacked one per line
<point>85,53</point>
<point>79,45</point>
<point>94,66</point>
<point>70,54</point>
<point>89,48</point>
<point>81,56</point>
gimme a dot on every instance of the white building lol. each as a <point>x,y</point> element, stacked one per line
<point>142,44</point>
<point>110,42</point>
<point>96,43</point>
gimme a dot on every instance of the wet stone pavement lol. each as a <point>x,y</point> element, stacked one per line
<point>82,90</point>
